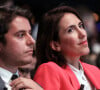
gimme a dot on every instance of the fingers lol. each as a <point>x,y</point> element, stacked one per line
<point>25,84</point>
<point>20,83</point>
<point>18,87</point>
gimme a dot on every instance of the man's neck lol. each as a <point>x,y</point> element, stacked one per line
<point>10,68</point>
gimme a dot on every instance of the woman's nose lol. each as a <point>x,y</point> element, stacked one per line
<point>82,33</point>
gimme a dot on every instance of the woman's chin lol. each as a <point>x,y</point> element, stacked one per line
<point>86,52</point>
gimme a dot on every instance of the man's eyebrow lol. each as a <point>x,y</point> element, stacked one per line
<point>24,31</point>
<point>21,31</point>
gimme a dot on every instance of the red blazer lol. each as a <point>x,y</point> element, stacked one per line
<point>53,77</point>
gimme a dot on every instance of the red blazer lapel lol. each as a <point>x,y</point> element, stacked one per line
<point>73,79</point>
<point>93,74</point>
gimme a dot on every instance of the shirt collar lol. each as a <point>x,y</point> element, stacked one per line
<point>6,75</point>
<point>75,69</point>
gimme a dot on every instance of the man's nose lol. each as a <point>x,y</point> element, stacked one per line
<point>30,40</point>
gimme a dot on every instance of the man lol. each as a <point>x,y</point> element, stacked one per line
<point>16,47</point>
<point>27,70</point>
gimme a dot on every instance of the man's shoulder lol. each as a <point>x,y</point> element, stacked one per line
<point>1,84</point>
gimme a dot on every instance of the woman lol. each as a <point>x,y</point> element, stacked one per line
<point>61,41</point>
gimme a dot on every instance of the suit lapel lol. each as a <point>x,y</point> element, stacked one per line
<point>93,74</point>
<point>2,85</point>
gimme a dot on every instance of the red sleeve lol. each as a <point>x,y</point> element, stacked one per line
<point>47,77</point>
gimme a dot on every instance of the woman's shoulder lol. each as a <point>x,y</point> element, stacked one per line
<point>90,67</point>
<point>49,65</point>
<point>45,70</point>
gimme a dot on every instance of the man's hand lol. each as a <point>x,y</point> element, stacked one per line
<point>25,84</point>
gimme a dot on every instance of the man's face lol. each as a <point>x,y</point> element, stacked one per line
<point>19,43</point>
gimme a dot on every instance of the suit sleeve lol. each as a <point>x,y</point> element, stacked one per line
<point>47,77</point>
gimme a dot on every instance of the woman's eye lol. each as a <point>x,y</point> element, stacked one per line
<point>71,29</point>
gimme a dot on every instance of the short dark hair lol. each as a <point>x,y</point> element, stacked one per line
<point>7,15</point>
<point>48,31</point>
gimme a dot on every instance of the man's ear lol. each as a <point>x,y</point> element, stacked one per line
<point>55,46</point>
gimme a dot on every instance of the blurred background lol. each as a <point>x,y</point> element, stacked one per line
<point>40,6</point>
<point>89,11</point>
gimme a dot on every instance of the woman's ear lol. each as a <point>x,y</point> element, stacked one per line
<point>55,46</point>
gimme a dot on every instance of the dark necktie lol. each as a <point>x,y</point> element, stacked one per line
<point>14,76</point>
<point>5,88</point>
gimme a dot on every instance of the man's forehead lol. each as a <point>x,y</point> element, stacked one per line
<point>20,23</point>
<point>20,19</point>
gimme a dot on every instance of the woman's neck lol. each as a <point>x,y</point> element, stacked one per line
<point>74,61</point>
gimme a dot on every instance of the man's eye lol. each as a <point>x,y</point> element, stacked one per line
<point>70,30</point>
<point>20,35</point>
<point>30,32</point>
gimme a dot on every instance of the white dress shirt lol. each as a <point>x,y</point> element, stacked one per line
<point>6,77</point>
<point>81,77</point>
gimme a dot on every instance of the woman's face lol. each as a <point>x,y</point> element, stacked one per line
<point>72,36</point>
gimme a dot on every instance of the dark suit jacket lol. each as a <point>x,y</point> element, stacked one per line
<point>2,85</point>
